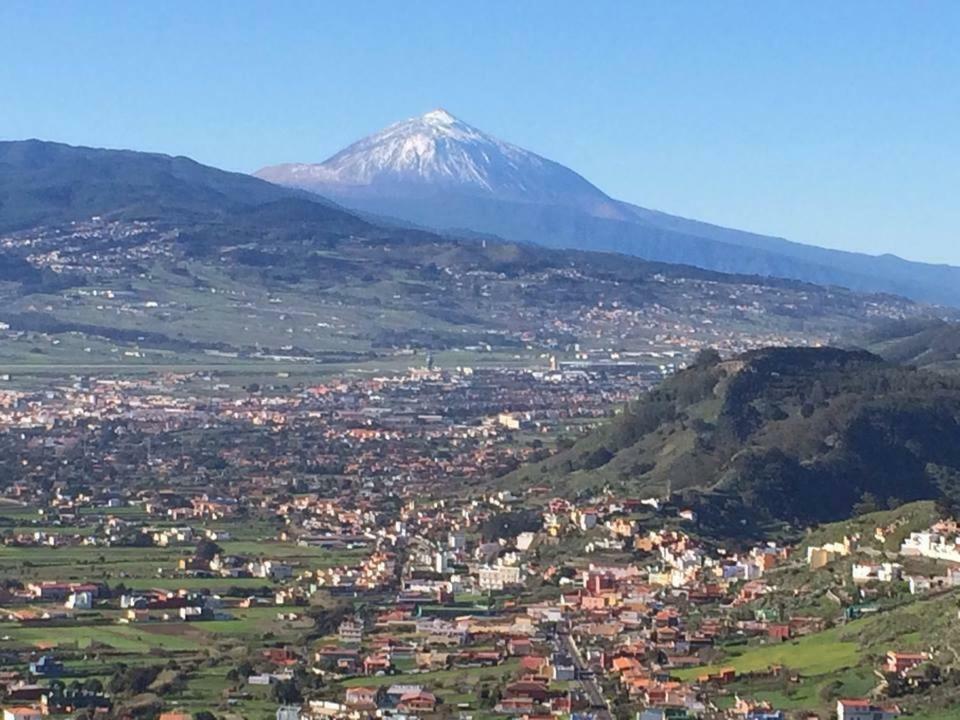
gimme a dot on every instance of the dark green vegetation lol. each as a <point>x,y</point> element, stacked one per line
<point>798,435</point>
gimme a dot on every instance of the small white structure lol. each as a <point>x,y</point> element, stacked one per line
<point>79,601</point>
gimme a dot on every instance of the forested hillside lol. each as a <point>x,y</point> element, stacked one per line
<point>792,434</point>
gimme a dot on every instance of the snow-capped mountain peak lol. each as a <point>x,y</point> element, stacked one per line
<point>439,117</point>
<point>436,152</point>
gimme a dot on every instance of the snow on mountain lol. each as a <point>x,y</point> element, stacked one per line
<point>439,172</point>
<point>438,152</point>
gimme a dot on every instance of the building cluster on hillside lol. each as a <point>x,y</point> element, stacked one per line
<point>436,583</point>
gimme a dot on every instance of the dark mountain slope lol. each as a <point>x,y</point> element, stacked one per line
<point>44,183</point>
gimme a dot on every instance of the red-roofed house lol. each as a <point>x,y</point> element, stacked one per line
<point>421,701</point>
<point>899,663</point>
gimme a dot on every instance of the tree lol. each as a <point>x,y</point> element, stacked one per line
<point>708,357</point>
<point>818,395</point>
<point>207,550</point>
<point>93,685</point>
<point>868,504</point>
<point>286,692</point>
<point>134,680</point>
<point>240,672</point>
<point>946,507</point>
<point>597,458</point>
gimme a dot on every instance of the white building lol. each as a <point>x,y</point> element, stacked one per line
<point>79,601</point>
<point>270,569</point>
<point>351,632</point>
<point>22,713</point>
<point>288,712</point>
<point>883,572</point>
<point>525,540</point>
<point>498,577</point>
<point>931,545</point>
<point>861,709</point>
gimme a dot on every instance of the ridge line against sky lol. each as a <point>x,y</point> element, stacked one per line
<point>828,124</point>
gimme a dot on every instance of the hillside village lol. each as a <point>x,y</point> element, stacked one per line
<point>339,517</point>
<point>184,543</point>
<point>188,543</point>
<point>393,603</point>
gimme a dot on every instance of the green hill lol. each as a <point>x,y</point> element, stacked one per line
<point>792,434</point>
<point>845,660</point>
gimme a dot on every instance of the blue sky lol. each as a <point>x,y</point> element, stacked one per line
<point>832,123</point>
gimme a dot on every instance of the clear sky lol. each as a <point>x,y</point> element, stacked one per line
<point>832,123</point>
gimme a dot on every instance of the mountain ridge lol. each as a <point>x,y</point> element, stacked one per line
<point>43,182</point>
<point>438,150</point>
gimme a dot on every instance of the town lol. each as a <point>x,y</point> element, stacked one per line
<point>344,550</point>
<point>331,519</point>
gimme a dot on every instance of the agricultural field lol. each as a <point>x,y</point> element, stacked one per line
<point>100,641</point>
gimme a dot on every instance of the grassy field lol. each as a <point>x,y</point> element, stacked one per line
<point>246,624</point>
<point>213,308</point>
<point>818,654</point>
<point>151,566</point>
<point>124,638</point>
<point>841,661</point>
<point>810,693</point>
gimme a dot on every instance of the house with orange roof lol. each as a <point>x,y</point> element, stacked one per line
<point>419,701</point>
<point>721,677</point>
<point>623,664</point>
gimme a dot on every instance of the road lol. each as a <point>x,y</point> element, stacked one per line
<point>588,681</point>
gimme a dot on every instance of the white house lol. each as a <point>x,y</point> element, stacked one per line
<point>79,601</point>
<point>861,709</point>
<point>884,572</point>
<point>22,713</point>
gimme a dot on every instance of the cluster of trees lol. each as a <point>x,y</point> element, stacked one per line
<point>510,524</point>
